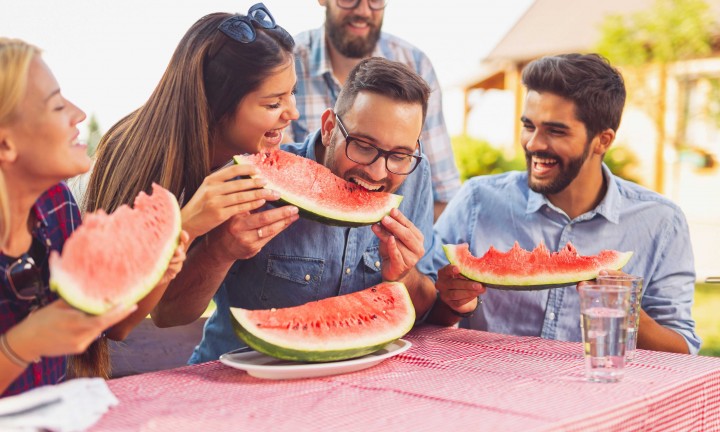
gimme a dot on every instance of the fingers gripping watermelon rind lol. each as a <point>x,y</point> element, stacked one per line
<point>312,332</point>
<point>70,288</point>
<point>524,270</point>
<point>311,204</point>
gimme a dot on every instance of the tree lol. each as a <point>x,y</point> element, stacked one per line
<point>651,40</point>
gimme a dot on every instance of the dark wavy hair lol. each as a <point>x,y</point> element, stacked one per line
<point>588,80</point>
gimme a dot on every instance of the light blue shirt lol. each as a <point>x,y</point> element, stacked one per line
<point>310,261</point>
<point>501,209</point>
<point>317,89</point>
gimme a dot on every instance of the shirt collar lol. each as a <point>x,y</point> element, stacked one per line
<point>609,207</point>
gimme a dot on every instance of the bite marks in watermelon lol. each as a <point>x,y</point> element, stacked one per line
<point>540,268</point>
<point>335,328</point>
<point>317,192</point>
<point>118,258</point>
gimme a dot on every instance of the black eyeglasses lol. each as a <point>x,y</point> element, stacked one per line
<point>242,28</point>
<point>364,153</point>
<point>25,275</point>
<point>352,4</point>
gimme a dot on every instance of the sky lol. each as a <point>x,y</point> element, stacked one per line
<point>108,55</point>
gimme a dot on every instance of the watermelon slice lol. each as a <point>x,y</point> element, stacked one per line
<point>118,258</point>
<point>539,269</point>
<point>317,192</point>
<point>335,328</point>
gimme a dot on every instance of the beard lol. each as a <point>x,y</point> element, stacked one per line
<point>348,45</point>
<point>568,172</point>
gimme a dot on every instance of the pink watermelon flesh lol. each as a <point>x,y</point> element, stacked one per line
<point>317,192</point>
<point>118,258</point>
<point>541,268</point>
<point>334,328</point>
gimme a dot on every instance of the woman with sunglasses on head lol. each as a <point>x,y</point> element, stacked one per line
<point>38,149</point>
<point>228,90</point>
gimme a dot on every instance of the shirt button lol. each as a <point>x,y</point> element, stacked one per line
<point>347,270</point>
<point>307,277</point>
<point>552,316</point>
<point>377,264</point>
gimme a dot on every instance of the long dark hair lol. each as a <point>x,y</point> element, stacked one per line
<point>168,139</point>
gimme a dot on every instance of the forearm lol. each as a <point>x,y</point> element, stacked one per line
<point>441,314</point>
<point>9,369</point>
<point>422,291</point>
<point>653,336</point>
<point>189,294</point>
<point>145,306</point>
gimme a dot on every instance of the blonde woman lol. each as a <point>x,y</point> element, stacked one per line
<point>38,149</point>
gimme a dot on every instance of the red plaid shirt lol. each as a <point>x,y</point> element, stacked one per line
<point>58,216</point>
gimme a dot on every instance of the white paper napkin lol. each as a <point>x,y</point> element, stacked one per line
<point>72,406</point>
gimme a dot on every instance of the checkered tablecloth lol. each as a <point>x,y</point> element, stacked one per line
<point>449,380</point>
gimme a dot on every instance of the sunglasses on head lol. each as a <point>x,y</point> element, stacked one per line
<point>242,28</point>
<point>25,275</point>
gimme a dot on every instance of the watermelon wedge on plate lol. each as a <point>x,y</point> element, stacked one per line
<point>335,328</point>
<point>317,192</point>
<point>540,269</point>
<point>118,258</point>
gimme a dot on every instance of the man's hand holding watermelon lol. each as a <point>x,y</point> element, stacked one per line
<point>457,293</point>
<point>401,245</point>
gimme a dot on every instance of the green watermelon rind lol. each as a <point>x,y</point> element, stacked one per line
<point>548,279</point>
<point>309,210</point>
<point>68,288</point>
<point>256,340</point>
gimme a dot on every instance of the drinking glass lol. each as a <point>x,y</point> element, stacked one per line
<point>635,283</point>
<point>604,310</point>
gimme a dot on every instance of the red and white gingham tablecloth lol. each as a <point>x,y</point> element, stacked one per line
<point>449,380</point>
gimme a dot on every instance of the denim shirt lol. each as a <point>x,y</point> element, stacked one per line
<point>501,209</point>
<point>310,261</point>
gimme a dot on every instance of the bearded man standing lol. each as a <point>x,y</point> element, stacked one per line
<point>324,58</point>
<point>572,112</point>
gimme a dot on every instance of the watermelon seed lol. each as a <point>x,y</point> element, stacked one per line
<point>374,290</point>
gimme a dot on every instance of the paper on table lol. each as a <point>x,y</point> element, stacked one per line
<point>74,405</point>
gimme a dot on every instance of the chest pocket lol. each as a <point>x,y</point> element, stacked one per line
<point>292,280</point>
<point>372,266</point>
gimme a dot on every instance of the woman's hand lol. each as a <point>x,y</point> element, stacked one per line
<point>177,260</point>
<point>59,329</point>
<point>221,196</point>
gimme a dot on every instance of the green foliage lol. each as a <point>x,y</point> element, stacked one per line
<point>94,135</point>
<point>622,162</point>
<point>707,324</point>
<point>669,31</point>
<point>478,157</point>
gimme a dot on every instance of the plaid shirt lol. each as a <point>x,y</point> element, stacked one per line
<point>317,90</point>
<point>57,217</point>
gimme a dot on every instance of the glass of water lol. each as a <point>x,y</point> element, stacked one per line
<point>635,283</point>
<point>604,310</point>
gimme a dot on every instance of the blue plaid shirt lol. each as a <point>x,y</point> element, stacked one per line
<point>317,90</point>
<point>500,209</point>
<point>57,217</point>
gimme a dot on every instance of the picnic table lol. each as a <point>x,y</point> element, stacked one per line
<point>448,380</point>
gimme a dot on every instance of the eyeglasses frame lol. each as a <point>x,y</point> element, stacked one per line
<point>357,3</point>
<point>249,20</point>
<point>379,152</point>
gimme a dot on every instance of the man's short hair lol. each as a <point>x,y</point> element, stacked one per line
<point>384,77</point>
<point>588,80</point>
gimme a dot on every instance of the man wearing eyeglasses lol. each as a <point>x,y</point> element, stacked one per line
<point>370,138</point>
<point>325,56</point>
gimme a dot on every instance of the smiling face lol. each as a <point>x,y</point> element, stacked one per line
<point>557,149</point>
<point>380,121</point>
<point>353,32</point>
<point>40,142</point>
<point>260,118</point>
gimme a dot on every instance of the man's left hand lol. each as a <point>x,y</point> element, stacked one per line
<point>401,245</point>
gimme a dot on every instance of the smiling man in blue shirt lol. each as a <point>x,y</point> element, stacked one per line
<point>572,112</point>
<point>369,138</point>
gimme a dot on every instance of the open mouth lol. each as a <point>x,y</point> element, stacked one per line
<point>542,165</point>
<point>368,186</point>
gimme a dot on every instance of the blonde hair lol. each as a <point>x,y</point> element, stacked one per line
<point>15,58</point>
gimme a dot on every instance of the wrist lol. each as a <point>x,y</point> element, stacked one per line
<point>463,314</point>
<point>15,352</point>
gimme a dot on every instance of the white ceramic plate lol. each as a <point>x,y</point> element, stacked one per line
<point>262,366</point>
